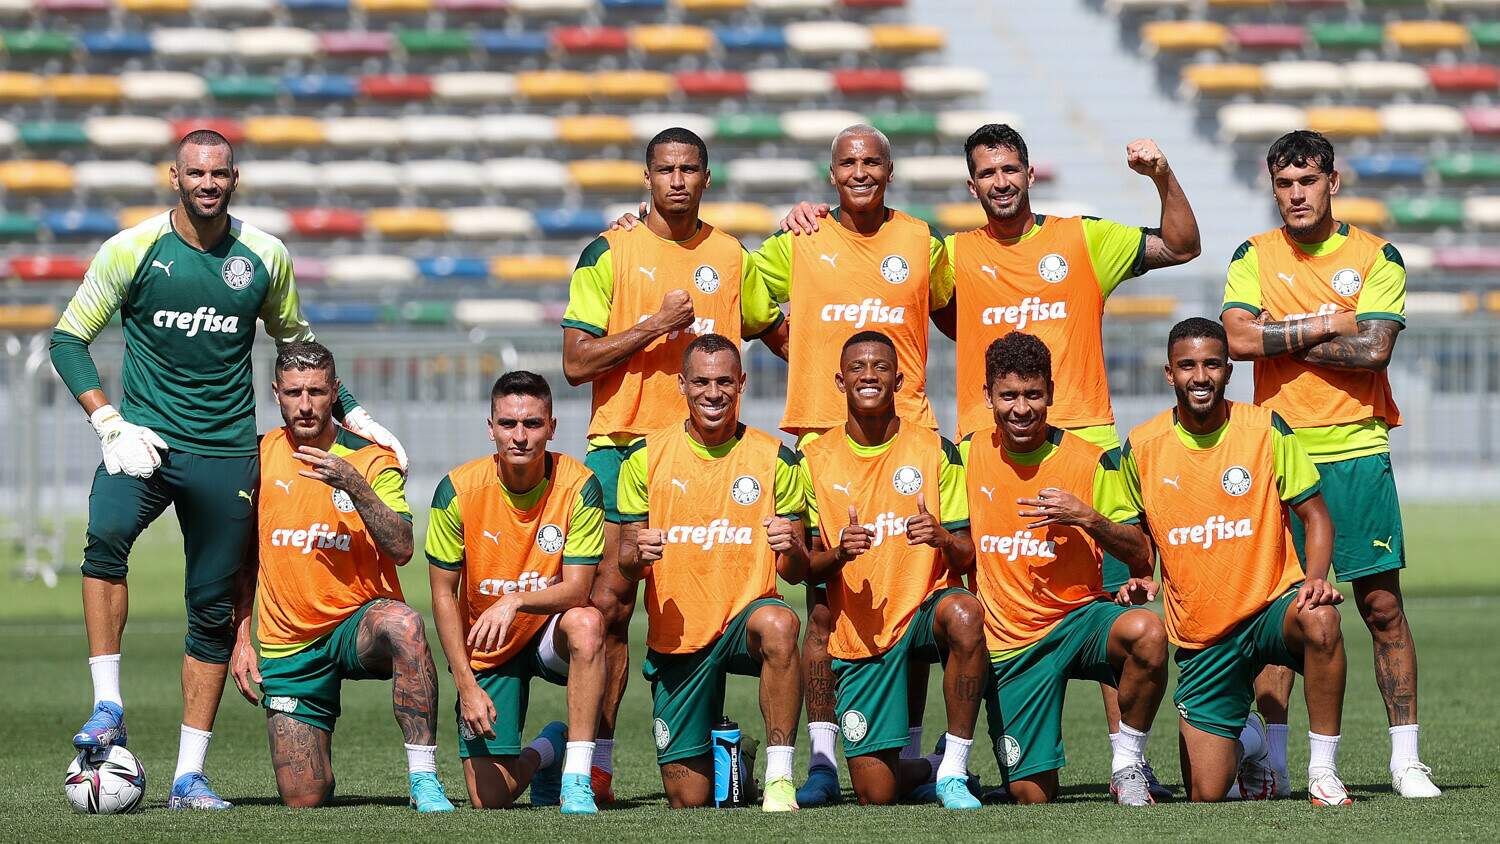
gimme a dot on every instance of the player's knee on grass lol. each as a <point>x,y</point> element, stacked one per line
<point>301,759</point>
<point>210,616</point>
<point>688,783</point>
<point>1035,789</point>
<point>489,784</point>
<point>584,629</point>
<point>876,777</point>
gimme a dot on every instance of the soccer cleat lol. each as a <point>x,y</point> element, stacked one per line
<point>781,796</point>
<point>104,729</point>
<point>1158,791</point>
<point>927,791</point>
<point>1414,780</point>
<point>602,781</point>
<point>546,783</point>
<point>1324,788</point>
<point>954,793</point>
<point>192,791</point>
<point>1129,787</point>
<point>427,793</point>
<point>821,788</point>
<point>1256,778</point>
<point>578,795</point>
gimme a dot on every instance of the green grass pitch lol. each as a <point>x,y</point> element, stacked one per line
<point>1454,604</point>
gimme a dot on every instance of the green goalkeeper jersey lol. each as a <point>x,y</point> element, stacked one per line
<point>189,320</point>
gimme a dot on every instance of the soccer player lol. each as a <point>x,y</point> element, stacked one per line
<point>332,524</point>
<point>1216,481</point>
<point>1317,304</point>
<point>709,511</point>
<point>513,541</point>
<point>189,284</point>
<point>1048,618</point>
<point>892,572</point>
<point>637,298</point>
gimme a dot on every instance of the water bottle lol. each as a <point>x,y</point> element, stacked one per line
<point>729,789</point>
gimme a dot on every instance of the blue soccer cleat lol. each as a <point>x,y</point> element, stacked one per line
<point>577,795</point>
<point>546,783</point>
<point>954,793</point>
<point>104,729</point>
<point>820,789</point>
<point>427,793</point>
<point>192,791</point>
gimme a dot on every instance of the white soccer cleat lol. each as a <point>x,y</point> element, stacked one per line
<point>1326,789</point>
<point>1414,780</point>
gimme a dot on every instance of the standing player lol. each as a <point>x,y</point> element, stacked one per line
<point>636,300</point>
<point>892,577</point>
<point>1216,481</point>
<point>513,541</point>
<point>332,525</point>
<point>1047,616</point>
<point>189,284</point>
<point>1317,304</point>
<point>709,511</point>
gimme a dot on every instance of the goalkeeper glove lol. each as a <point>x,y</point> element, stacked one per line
<point>360,422</point>
<point>127,447</point>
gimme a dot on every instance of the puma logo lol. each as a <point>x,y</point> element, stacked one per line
<point>844,488</point>
<point>493,537</point>
<point>1289,279</point>
<point>285,485</point>
<point>682,485</point>
<point>1172,482</point>
<point>1386,544</point>
<point>250,497</point>
<point>166,268</point>
<point>831,259</point>
<point>989,270</point>
<point>651,273</point>
<point>989,492</point>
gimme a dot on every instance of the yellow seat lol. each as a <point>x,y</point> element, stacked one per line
<point>1141,307</point>
<point>671,39</point>
<point>1492,301</point>
<point>739,218</point>
<point>80,88</point>
<point>1223,78</point>
<point>711,5</point>
<point>134,215</point>
<point>897,38</point>
<point>1360,211</point>
<point>393,6</point>
<point>407,222</point>
<point>594,129</point>
<point>532,268</point>
<point>284,130</point>
<point>1185,35</point>
<point>554,85</point>
<point>1427,35</point>
<point>607,174</point>
<point>634,85</point>
<point>25,176</point>
<point>156,7</point>
<point>20,87</point>
<point>27,317</point>
<point>960,216</point>
<point>1344,121</point>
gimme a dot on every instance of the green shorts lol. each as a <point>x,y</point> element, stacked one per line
<point>1367,536</point>
<point>687,690</point>
<point>305,685</point>
<point>509,688</point>
<point>1024,701</point>
<point>872,691</point>
<point>605,461</point>
<point>1216,684</point>
<point>1114,572</point>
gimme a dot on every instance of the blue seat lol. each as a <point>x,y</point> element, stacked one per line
<point>1388,167</point>
<point>80,223</point>
<point>633,4</point>
<point>570,222</point>
<point>502,43</point>
<point>115,43</point>
<point>347,313</point>
<point>448,268</point>
<point>315,5</point>
<point>319,86</point>
<point>750,37</point>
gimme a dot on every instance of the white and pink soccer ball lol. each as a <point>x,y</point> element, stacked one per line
<point>110,782</point>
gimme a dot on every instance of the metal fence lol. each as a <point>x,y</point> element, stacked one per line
<point>431,387</point>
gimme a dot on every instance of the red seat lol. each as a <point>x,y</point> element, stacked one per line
<point>327,222</point>
<point>1045,172</point>
<point>356,43</point>
<point>401,87</point>
<point>868,82</point>
<point>231,129</point>
<point>1469,259</point>
<point>48,268</point>
<point>1465,77</point>
<point>590,39</point>
<point>1483,120</point>
<point>1268,36</point>
<point>713,83</point>
<point>309,270</point>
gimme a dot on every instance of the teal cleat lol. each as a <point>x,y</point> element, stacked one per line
<point>427,793</point>
<point>820,789</point>
<point>578,795</point>
<point>546,783</point>
<point>954,792</point>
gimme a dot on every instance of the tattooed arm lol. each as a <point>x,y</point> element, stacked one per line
<point>391,532</point>
<point>1370,348</point>
<point>1176,241</point>
<point>1258,336</point>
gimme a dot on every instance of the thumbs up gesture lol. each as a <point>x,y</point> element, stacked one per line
<point>854,539</point>
<point>924,528</point>
<point>782,534</point>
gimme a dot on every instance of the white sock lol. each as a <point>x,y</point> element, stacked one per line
<point>1276,746</point>
<point>106,673</point>
<point>604,755</point>
<point>1403,746</point>
<point>1251,740</point>
<point>421,757</point>
<point>1324,752</point>
<point>1114,742</point>
<point>823,734</point>
<point>543,749</point>
<point>579,756</point>
<point>913,748</point>
<point>779,761</point>
<point>955,757</point>
<point>191,749</point>
<point>1130,747</point>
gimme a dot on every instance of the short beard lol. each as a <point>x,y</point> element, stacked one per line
<point>192,210</point>
<point>1019,209</point>
<point>1185,402</point>
<point>296,433</point>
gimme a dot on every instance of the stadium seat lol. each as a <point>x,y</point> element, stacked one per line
<point>1464,78</point>
<point>356,44</point>
<point>632,5</point>
<point>81,88</point>
<point>555,8</point>
<point>1417,258</point>
<point>1486,34</point>
<point>420,313</point>
<point>739,218</point>
<point>279,176</point>
<point>940,82</point>
<point>517,130</point>
<point>435,42</point>
<point>191,43</point>
<point>1483,120</point>
<point>1344,121</point>
<point>1347,35</point>
<point>309,270</point>
<point>371,270</point>
<point>901,38</point>
<point>1435,303</point>
<point>443,176</point>
<point>1483,212</point>
<point>590,39</point>
<point>29,176</point>
<point>275,43</point>
<point>321,86</point>
<point>20,87</point>
<point>116,44</point>
<point>37,43</point>
<point>1427,35</point>
<point>362,132</point>
<point>156,7</point>
<point>396,88</point>
<point>19,227</point>
<point>1258,121</point>
<point>407,223</point>
<point>134,215</point>
<point>872,4</point>
<point>1133,7</point>
<point>473,87</point>
<point>771,173</point>
<point>789,83</point>
<point>532,268</point>
<point>27,317</point>
<point>550,85</point>
<point>162,87</point>
<point>1469,259</point>
<point>438,130</point>
<point>1426,120</point>
<point>1387,167</point>
<point>80,222</point>
<point>43,135</point>
<point>594,130</point>
<point>758,39</point>
<point>117,177</point>
<point>960,124</point>
<point>868,82</point>
<point>526,175</point>
<point>1386,77</point>
<point>906,124</point>
<point>1468,167</point>
<point>269,219</point>
<point>9,134</point>
<point>633,85</point>
<point>48,267</point>
<point>1268,36</point>
<point>490,223</point>
<point>452,269</point>
<point>934,171</point>
<point>671,40</point>
<point>643,127</point>
<point>827,38</point>
<point>1426,213</point>
<point>361,177</point>
<point>790,7</point>
<point>517,44</point>
<point>1184,36</point>
<point>310,7</point>
<point>570,222</point>
<point>234,88</point>
<point>1222,79</point>
<point>475,312</point>
<point>1302,78</point>
<point>607,175</point>
<point>284,130</point>
<point>127,132</point>
<point>1140,307</point>
<point>342,313</point>
<point>818,126</point>
<point>713,83</point>
<point>217,9</point>
<point>749,127</point>
<point>960,216</point>
<point>326,222</point>
<point>392,7</point>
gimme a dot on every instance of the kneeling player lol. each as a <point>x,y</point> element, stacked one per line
<point>893,582</point>
<point>332,527</point>
<point>710,510</point>
<point>513,540</point>
<point>1047,617</point>
<point>1215,480</point>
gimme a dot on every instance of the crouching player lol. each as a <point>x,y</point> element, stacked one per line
<point>710,511</point>
<point>1215,481</point>
<point>513,540</point>
<point>1047,617</point>
<point>332,525</point>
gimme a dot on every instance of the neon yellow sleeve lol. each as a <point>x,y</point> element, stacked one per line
<point>445,528</point>
<point>773,261</point>
<point>1130,481</point>
<point>584,544</point>
<point>281,312</point>
<point>105,283</point>
<point>1110,498</point>
<point>953,489</point>
<point>1384,293</point>
<point>963,450</point>
<point>804,475</point>
<point>791,495</point>
<point>633,498</point>
<point>390,488</point>
<point>758,311</point>
<point>591,291</point>
<point>1297,478</point>
<point>939,274</point>
<point>1242,287</point>
<point>1117,251</point>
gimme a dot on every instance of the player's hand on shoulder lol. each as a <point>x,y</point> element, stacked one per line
<point>924,528</point>
<point>1317,592</point>
<point>676,311</point>
<point>854,538</point>
<point>127,447</point>
<point>782,533</point>
<point>628,221</point>
<point>1146,158</point>
<point>649,543</point>
<point>1137,591</point>
<point>328,468</point>
<point>803,218</point>
<point>360,422</point>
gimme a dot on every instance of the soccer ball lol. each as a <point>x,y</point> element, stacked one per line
<point>111,782</point>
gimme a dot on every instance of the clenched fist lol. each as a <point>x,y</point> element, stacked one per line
<point>649,543</point>
<point>1146,158</point>
<point>676,311</point>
